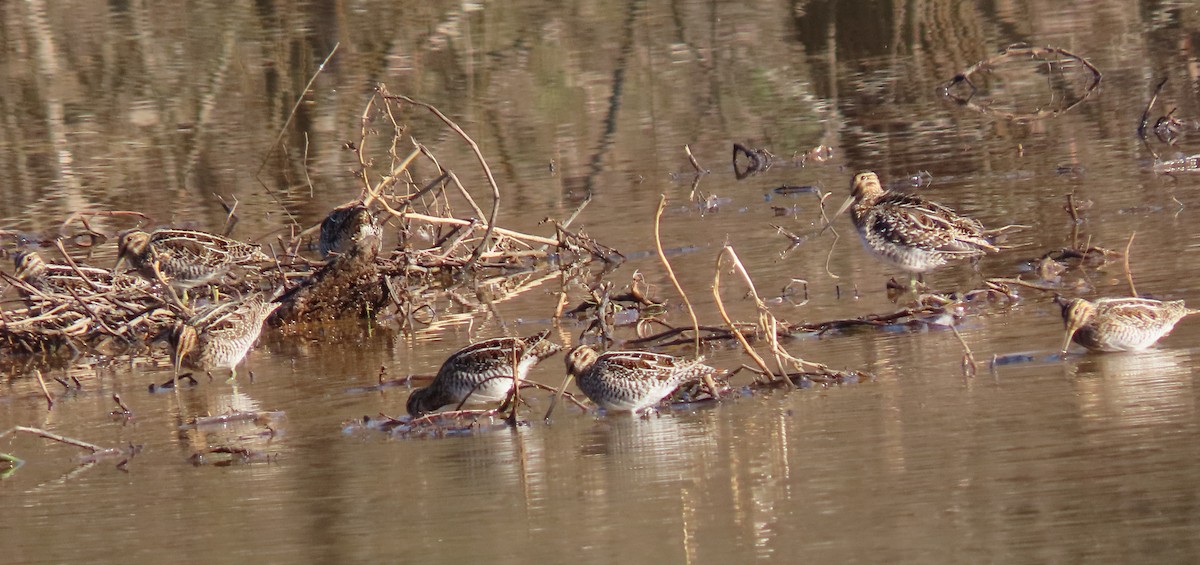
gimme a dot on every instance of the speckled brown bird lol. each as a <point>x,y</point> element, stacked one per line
<point>186,258</point>
<point>1119,324</point>
<point>910,232</point>
<point>483,370</point>
<point>221,335</point>
<point>65,279</point>
<point>630,381</point>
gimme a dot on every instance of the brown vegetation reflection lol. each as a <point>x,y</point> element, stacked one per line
<point>968,444</point>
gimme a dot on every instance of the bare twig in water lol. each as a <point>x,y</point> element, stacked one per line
<point>557,394</point>
<point>821,198</point>
<point>768,325</point>
<point>41,381</point>
<point>692,159</point>
<point>460,222</point>
<point>1024,283</point>
<point>59,438</point>
<point>662,257</point>
<point>1072,209</point>
<point>486,243</point>
<point>258,417</point>
<point>1146,113</point>
<point>515,397</point>
<point>1129,273</point>
<point>124,410</point>
<point>716,287</point>
<point>970,368</point>
<point>1019,52</point>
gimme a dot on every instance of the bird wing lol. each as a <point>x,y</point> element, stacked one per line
<point>206,246</point>
<point>914,222</point>
<point>644,364</point>
<point>1137,312</point>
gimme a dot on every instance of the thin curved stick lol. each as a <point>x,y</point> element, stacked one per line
<point>1129,273</point>
<point>662,203</point>
<point>716,288</point>
<point>487,235</point>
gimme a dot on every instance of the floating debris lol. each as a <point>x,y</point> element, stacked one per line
<point>795,189</point>
<point>756,161</point>
<point>1007,84</point>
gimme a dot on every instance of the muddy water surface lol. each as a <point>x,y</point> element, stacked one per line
<point>1037,458</point>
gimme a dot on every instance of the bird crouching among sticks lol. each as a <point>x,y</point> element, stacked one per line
<point>184,258</point>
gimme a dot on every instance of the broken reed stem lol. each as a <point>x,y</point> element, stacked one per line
<point>487,171</point>
<point>662,203</point>
<point>716,288</point>
<point>121,404</point>
<point>516,384</point>
<point>41,381</point>
<point>1146,113</point>
<point>692,159</point>
<point>375,192</point>
<point>459,222</point>
<point>55,437</point>
<point>969,366</point>
<point>1128,272</point>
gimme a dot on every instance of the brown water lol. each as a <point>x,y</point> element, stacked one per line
<point>1043,459</point>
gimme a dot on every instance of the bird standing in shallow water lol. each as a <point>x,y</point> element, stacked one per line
<point>185,258</point>
<point>630,381</point>
<point>483,370</point>
<point>219,336</point>
<point>910,232</point>
<point>1119,324</point>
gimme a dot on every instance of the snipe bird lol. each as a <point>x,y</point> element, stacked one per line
<point>483,371</point>
<point>630,381</point>
<point>64,279</point>
<point>219,336</point>
<point>910,232</point>
<point>186,258</point>
<point>1119,324</point>
<point>344,227</point>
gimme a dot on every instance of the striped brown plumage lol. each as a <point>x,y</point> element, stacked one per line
<point>630,381</point>
<point>186,258</point>
<point>482,370</point>
<point>221,335</point>
<point>910,232</point>
<point>1119,324</point>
